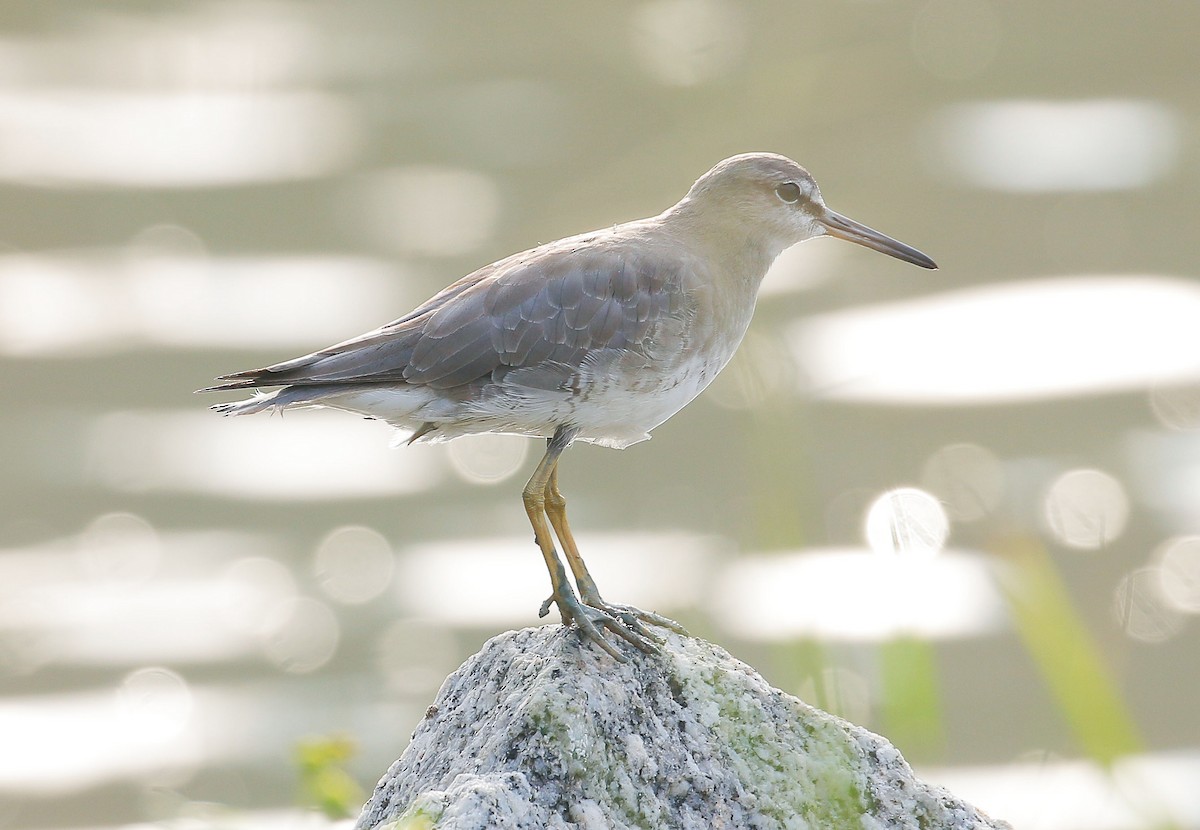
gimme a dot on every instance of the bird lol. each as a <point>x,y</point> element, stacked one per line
<point>598,337</point>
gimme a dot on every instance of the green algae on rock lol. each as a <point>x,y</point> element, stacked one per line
<point>537,731</point>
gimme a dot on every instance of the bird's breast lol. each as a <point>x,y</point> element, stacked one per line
<point>619,404</point>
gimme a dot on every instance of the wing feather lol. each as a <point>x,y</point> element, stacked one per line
<point>532,319</point>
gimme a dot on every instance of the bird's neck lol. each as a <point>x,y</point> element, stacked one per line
<point>739,251</point>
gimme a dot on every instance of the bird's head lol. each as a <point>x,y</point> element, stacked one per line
<point>775,199</point>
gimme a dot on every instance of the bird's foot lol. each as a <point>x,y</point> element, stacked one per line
<point>628,614</point>
<point>634,617</point>
<point>592,621</point>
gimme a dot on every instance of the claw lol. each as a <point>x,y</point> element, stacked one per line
<point>589,631</point>
<point>591,623</point>
<point>631,616</point>
<point>626,612</point>
<point>606,620</point>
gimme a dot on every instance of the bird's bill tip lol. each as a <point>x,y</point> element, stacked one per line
<point>843,227</point>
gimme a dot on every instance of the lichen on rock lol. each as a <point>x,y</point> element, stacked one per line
<point>540,731</point>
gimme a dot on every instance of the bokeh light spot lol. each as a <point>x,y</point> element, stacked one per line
<point>163,289</point>
<point>1056,146</point>
<point>1179,573</point>
<point>967,478</point>
<point>488,459</point>
<point>154,704</point>
<point>354,564</point>
<point>120,547</point>
<point>1080,335</point>
<point>84,137</point>
<point>1085,509</point>
<point>1140,609</point>
<point>855,595</point>
<point>193,451</point>
<point>907,521</point>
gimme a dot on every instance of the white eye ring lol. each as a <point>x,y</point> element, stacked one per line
<point>788,192</point>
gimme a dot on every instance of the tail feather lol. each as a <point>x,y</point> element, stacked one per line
<point>260,402</point>
<point>396,406</point>
<point>225,387</point>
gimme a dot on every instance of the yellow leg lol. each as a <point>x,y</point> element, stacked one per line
<point>556,511</point>
<point>590,620</point>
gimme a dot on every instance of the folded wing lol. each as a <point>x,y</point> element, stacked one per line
<point>535,319</point>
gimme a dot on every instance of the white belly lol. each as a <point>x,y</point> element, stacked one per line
<point>622,413</point>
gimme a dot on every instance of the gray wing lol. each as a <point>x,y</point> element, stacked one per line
<point>533,319</point>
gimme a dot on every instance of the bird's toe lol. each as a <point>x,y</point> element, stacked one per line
<point>634,617</point>
<point>592,622</point>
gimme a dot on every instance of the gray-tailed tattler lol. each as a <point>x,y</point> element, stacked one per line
<point>599,337</point>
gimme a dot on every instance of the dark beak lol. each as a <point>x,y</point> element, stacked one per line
<point>845,228</point>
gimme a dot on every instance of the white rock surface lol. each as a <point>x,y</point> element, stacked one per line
<point>540,731</point>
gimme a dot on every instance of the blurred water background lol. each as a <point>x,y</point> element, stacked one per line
<point>961,507</point>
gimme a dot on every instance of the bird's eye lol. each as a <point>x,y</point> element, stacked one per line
<point>788,192</point>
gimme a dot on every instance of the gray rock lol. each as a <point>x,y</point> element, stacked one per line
<point>539,731</point>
